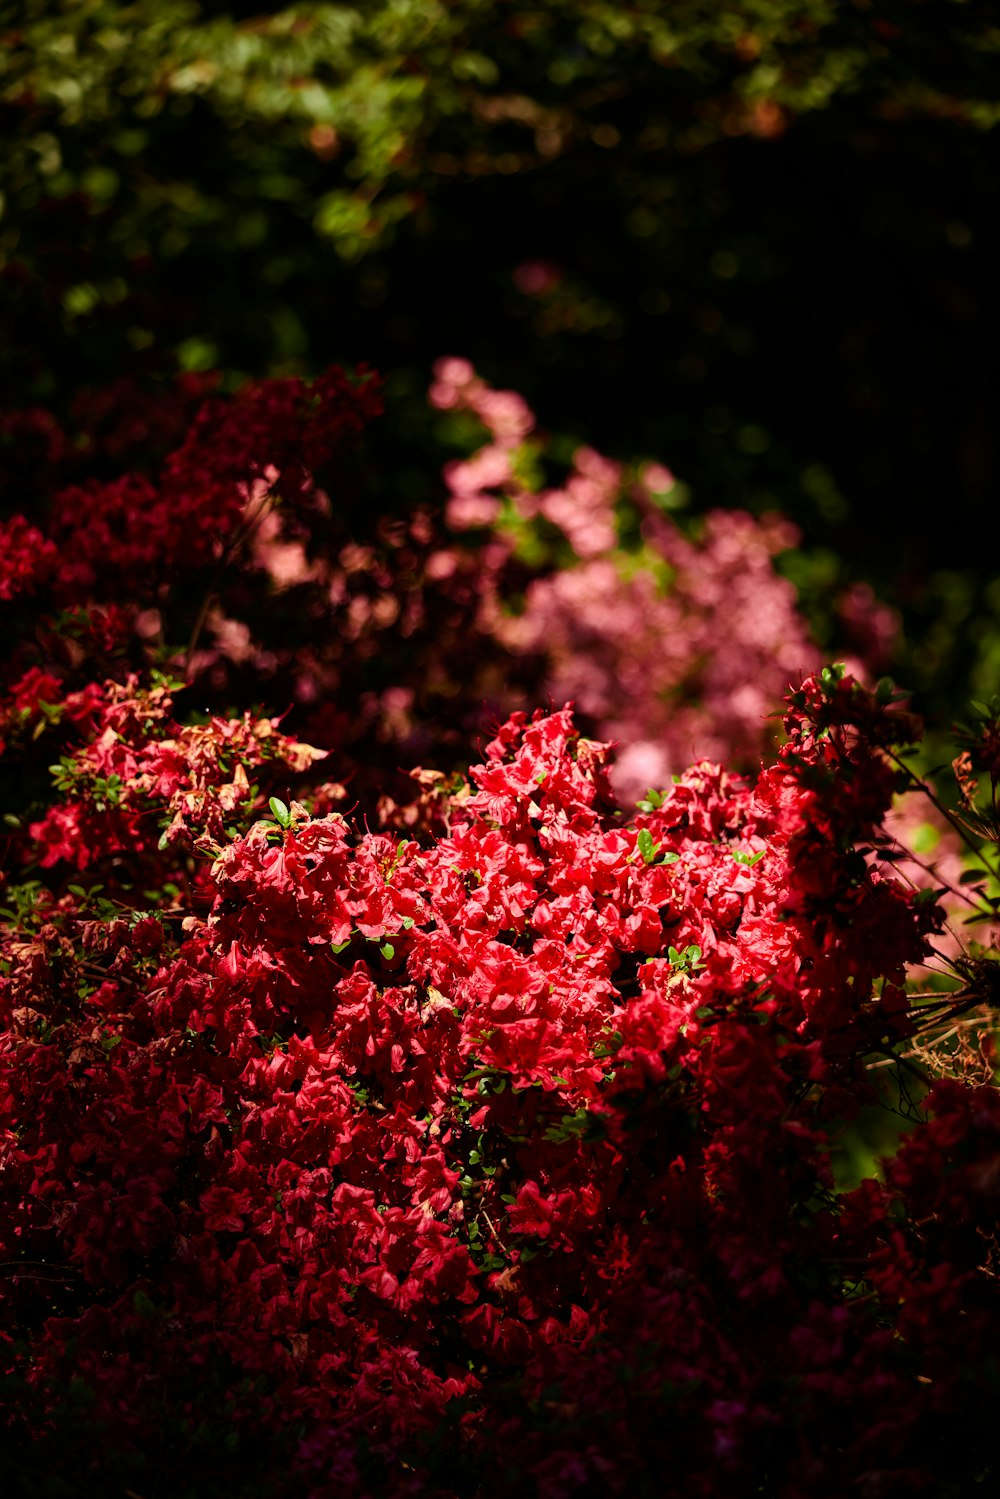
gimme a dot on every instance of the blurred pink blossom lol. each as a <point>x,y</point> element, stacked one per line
<point>656,478</point>
<point>871,627</point>
<point>693,666</point>
<point>503,413</point>
<point>282,557</point>
<point>466,511</point>
<point>536,278</point>
<point>678,651</point>
<point>584,509</point>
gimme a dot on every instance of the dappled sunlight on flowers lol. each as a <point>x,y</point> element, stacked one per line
<point>452,1131</point>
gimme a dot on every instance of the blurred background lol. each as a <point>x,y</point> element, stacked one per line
<point>754,240</point>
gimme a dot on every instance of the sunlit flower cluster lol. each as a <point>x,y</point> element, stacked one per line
<point>476,1141</point>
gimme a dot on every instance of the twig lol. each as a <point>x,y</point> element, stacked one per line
<point>956,822</point>
<point>250,524</point>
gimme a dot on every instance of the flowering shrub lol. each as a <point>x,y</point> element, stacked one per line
<point>674,643</point>
<point>240,554</point>
<point>481,1142</point>
<point>492,1154</point>
<point>228,540</point>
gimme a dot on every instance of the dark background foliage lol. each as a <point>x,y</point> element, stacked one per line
<point>756,241</point>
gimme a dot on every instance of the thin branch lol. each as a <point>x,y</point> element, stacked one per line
<point>984,911</point>
<point>243,534</point>
<point>956,822</point>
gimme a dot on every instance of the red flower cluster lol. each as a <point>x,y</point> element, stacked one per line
<point>272,438</point>
<point>479,1144</point>
<point>233,540</point>
<point>226,540</point>
<point>142,781</point>
<point>28,557</point>
<point>493,1155</point>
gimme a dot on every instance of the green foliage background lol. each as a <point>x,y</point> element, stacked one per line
<point>768,232</point>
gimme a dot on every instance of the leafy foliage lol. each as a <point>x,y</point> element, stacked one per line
<point>744,186</point>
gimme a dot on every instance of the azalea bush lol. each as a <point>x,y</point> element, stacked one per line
<point>674,641</point>
<point>373,1127</point>
<point>240,541</point>
<point>495,1153</point>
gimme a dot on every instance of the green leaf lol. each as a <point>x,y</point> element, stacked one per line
<point>647,848</point>
<point>748,859</point>
<point>387,950</point>
<point>282,816</point>
<point>580,1125</point>
<point>687,960</point>
<point>143,1305</point>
